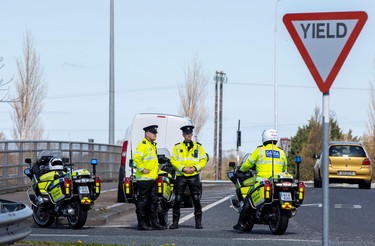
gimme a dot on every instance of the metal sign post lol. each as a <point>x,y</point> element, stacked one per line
<point>325,179</point>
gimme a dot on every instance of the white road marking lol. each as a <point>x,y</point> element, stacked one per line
<point>105,191</point>
<point>347,206</point>
<point>57,235</point>
<point>274,239</point>
<point>191,215</point>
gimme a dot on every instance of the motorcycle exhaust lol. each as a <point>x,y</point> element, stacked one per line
<point>293,212</point>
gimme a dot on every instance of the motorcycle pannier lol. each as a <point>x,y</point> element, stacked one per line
<point>261,193</point>
<point>164,187</point>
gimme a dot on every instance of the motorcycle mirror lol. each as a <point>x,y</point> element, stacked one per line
<point>232,164</point>
<point>94,161</point>
<point>27,171</point>
<point>28,160</point>
<point>65,160</point>
<point>131,164</point>
<point>315,156</point>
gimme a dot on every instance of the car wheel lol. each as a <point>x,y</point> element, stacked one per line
<point>364,185</point>
<point>120,193</point>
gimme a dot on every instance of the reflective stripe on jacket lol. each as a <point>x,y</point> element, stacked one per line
<point>182,157</point>
<point>145,157</point>
<point>261,158</point>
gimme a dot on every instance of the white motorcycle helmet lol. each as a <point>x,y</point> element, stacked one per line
<point>269,135</point>
<point>56,164</point>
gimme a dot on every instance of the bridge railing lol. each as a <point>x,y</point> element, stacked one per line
<point>14,153</point>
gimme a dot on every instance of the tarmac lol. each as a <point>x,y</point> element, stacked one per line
<point>105,209</point>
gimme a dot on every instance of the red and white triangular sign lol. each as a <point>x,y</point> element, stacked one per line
<point>324,41</point>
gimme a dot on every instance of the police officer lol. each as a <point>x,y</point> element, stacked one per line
<point>262,158</point>
<point>188,158</point>
<point>147,167</point>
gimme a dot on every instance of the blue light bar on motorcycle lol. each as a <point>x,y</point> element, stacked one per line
<point>298,159</point>
<point>94,161</point>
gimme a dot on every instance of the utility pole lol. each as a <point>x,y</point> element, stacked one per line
<point>215,122</point>
<point>219,78</point>
<point>111,130</point>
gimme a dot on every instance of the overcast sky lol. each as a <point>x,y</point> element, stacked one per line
<point>155,41</point>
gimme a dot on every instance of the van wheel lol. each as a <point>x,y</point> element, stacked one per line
<point>120,193</point>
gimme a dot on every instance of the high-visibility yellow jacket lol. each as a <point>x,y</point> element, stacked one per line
<point>261,158</point>
<point>145,157</point>
<point>182,157</point>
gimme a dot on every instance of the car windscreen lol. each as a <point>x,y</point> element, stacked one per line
<point>346,150</point>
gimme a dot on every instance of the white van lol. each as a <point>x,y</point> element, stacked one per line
<point>169,133</point>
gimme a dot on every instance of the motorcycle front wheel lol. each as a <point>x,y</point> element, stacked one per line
<point>279,219</point>
<point>42,216</point>
<point>78,215</point>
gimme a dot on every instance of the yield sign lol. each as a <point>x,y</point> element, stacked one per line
<point>324,41</point>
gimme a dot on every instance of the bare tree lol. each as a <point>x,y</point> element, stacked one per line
<point>4,88</point>
<point>193,95</point>
<point>30,87</point>
<point>369,137</point>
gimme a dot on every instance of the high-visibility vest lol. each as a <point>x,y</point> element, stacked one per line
<point>145,157</point>
<point>263,157</point>
<point>182,157</point>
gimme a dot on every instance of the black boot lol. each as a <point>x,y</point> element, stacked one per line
<point>198,221</point>
<point>240,226</point>
<point>142,226</point>
<point>155,223</point>
<point>174,225</point>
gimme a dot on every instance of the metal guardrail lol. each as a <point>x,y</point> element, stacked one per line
<point>14,153</point>
<point>12,226</point>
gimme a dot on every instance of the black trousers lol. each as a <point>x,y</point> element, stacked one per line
<point>147,199</point>
<point>194,184</point>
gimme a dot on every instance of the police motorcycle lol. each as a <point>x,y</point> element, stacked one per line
<point>272,201</point>
<point>164,186</point>
<point>58,189</point>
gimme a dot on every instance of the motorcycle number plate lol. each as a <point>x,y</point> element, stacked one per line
<point>285,196</point>
<point>83,190</point>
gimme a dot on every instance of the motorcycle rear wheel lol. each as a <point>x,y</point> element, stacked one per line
<point>78,219</point>
<point>42,217</point>
<point>279,223</point>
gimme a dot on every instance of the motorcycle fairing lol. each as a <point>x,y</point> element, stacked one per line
<point>80,172</point>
